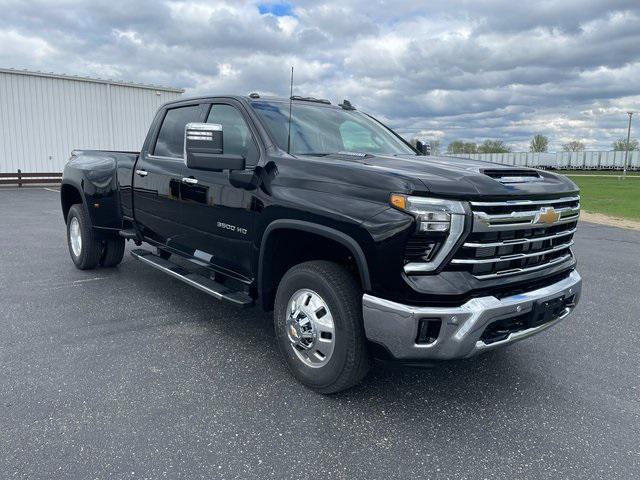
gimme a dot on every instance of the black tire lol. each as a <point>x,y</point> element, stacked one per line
<point>349,361</point>
<point>163,254</point>
<point>91,249</point>
<point>113,252</point>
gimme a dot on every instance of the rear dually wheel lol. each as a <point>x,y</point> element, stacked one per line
<point>84,249</point>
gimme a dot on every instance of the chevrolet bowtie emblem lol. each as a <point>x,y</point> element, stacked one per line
<point>547,215</point>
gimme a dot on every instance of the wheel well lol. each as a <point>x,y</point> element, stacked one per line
<point>286,247</point>
<point>69,195</point>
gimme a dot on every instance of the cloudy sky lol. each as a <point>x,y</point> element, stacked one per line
<point>445,69</point>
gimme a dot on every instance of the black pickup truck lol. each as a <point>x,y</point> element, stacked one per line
<point>361,245</point>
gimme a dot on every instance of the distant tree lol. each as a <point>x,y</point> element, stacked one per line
<point>494,146</point>
<point>469,147</point>
<point>573,146</point>
<point>539,143</point>
<point>458,146</point>
<point>621,145</point>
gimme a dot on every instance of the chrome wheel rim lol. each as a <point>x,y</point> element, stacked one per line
<point>310,328</point>
<point>75,237</point>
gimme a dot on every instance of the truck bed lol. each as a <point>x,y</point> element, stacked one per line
<point>104,174</point>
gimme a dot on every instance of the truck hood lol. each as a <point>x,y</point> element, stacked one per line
<point>464,178</point>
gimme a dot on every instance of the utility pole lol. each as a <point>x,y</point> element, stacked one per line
<point>626,155</point>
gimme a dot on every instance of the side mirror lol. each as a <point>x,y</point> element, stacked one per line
<point>204,149</point>
<point>423,147</point>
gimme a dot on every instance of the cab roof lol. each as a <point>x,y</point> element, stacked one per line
<point>255,98</point>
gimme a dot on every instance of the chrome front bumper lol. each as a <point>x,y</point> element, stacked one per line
<point>395,326</point>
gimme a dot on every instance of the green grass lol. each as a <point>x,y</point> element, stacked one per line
<point>610,196</point>
<point>634,173</point>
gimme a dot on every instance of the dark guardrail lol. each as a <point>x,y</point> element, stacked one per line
<point>21,178</point>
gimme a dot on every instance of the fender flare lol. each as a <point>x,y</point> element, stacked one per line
<point>79,188</point>
<point>323,231</point>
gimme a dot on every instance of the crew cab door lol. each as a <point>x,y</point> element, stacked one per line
<point>158,179</point>
<point>218,216</point>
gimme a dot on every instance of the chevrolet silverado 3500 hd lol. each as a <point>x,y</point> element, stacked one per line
<point>360,244</point>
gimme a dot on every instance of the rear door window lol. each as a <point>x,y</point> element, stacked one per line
<point>170,141</point>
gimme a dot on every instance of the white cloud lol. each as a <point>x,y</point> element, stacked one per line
<point>15,45</point>
<point>454,69</point>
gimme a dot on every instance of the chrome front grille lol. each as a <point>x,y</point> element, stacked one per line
<point>518,236</point>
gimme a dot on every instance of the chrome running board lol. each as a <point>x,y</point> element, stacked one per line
<point>207,285</point>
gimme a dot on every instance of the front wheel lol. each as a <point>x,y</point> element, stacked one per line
<point>318,326</point>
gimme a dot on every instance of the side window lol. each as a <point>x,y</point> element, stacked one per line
<point>170,141</point>
<point>237,138</point>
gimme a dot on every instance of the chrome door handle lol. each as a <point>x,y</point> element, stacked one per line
<point>142,173</point>
<point>190,180</point>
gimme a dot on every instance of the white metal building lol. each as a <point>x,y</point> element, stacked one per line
<point>585,160</point>
<point>44,116</point>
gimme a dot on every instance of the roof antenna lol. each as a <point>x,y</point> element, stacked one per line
<point>290,102</point>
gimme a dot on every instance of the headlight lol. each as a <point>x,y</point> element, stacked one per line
<point>433,215</point>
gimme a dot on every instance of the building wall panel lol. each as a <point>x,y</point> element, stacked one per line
<point>44,117</point>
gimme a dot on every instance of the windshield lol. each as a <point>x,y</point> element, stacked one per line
<point>320,130</point>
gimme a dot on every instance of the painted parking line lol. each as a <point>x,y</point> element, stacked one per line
<point>52,190</point>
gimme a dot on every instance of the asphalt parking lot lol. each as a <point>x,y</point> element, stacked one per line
<point>126,373</point>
